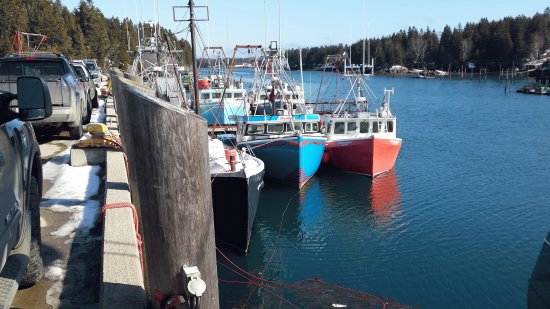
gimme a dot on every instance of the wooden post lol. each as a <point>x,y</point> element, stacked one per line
<point>167,152</point>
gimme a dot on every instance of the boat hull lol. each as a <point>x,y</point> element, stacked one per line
<point>235,202</point>
<point>227,111</point>
<point>369,156</point>
<point>290,160</point>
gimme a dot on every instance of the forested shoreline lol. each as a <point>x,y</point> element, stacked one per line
<point>491,45</point>
<point>86,33</point>
<point>82,33</point>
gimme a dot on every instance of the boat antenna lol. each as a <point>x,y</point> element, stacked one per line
<point>364,36</point>
<point>280,43</point>
<point>301,71</point>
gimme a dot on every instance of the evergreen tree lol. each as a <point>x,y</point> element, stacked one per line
<point>13,17</point>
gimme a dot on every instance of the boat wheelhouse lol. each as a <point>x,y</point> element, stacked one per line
<point>291,146</point>
<point>260,100</point>
<point>362,142</point>
<point>216,112</point>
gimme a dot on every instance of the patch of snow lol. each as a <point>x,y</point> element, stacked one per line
<point>43,222</point>
<point>74,183</point>
<point>71,193</point>
<point>55,272</point>
<point>51,170</point>
<point>82,220</point>
<point>99,115</point>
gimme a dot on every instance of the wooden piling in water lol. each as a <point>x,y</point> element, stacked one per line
<point>167,153</point>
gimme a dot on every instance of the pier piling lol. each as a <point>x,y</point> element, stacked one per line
<point>167,154</point>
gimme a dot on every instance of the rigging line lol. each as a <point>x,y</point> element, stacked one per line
<point>246,282</point>
<point>243,274</point>
<point>272,249</point>
<point>296,285</point>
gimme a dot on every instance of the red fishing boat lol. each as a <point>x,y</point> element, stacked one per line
<point>358,140</point>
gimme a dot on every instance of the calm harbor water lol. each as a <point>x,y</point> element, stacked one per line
<point>458,223</point>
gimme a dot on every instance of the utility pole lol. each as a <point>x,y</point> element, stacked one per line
<point>193,57</point>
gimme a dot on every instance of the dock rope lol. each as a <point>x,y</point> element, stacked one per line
<point>136,224</point>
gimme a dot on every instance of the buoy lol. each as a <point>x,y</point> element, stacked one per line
<point>231,157</point>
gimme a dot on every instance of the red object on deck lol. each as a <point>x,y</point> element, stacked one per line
<point>204,84</point>
<point>370,156</point>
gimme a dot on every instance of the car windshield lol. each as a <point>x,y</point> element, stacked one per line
<point>90,66</point>
<point>80,71</point>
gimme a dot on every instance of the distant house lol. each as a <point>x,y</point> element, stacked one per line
<point>398,69</point>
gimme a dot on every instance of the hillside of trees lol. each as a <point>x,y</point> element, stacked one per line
<point>83,33</point>
<point>487,44</point>
<point>86,33</point>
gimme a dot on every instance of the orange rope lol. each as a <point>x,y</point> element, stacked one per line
<point>136,223</point>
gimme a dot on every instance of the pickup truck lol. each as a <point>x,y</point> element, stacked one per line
<point>20,186</point>
<point>70,104</point>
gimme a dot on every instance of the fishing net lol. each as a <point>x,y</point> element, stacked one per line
<point>308,293</point>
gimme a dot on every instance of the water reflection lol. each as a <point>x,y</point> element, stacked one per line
<point>384,198</point>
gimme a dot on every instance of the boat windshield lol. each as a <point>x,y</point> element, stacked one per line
<point>275,128</point>
<point>311,127</point>
<point>255,129</point>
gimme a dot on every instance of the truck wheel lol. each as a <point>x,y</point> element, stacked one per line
<point>75,132</point>
<point>95,101</point>
<point>33,273</point>
<point>88,112</point>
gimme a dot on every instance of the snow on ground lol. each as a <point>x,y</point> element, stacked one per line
<point>74,191</point>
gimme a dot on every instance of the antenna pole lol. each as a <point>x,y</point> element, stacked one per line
<point>364,36</point>
<point>195,73</point>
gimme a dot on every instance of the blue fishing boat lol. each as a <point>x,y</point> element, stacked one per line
<point>291,146</point>
<point>221,97</point>
<point>288,139</point>
<point>216,112</point>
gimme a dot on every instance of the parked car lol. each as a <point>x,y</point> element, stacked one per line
<point>71,109</point>
<point>92,66</point>
<point>87,82</point>
<point>21,185</point>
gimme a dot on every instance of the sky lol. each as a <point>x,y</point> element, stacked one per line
<point>301,23</point>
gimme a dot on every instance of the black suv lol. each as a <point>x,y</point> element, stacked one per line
<point>21,185</point>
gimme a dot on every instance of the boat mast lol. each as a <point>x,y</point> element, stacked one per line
<point>193,57</point>
<point>364,17</point>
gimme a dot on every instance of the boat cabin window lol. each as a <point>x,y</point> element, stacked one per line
<point>294,97</point>
<point>297,126</point>
<point>205,96</point>
<point>311,127</point>
<point>228,95</point>
<point>216,95</point>
<point>339,128</point>
<point>238,95</point>
<point>375,127</point>
<point>263,97</point>
<point>352,127</point>
<point>275,128</point>
<point>364,127</point>
<point>390,126</point>
<point>255,129</point>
